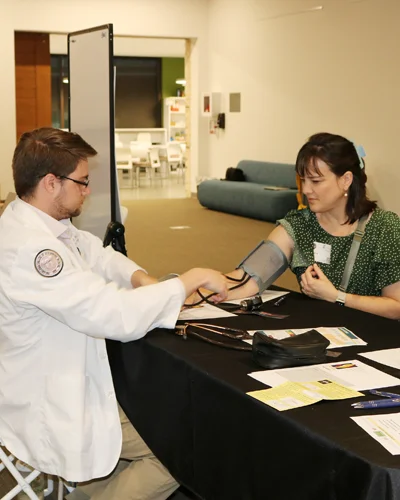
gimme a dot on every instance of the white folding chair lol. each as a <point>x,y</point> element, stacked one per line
<point>123,160</point>
<point>24,482</point>
<point>175,158</point>
<point>155,160</point>
<point>140,158</point>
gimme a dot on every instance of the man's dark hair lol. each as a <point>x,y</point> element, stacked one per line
<point>341,156</point>
<point>46,151</point>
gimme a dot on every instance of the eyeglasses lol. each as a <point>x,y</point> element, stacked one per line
<point>82,183</point>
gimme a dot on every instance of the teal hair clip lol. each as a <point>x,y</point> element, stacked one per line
<point>360,153</point>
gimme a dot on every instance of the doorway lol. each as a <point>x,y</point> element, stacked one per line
<point>145,85</point>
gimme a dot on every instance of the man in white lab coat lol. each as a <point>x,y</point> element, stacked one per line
<point>61,295</point>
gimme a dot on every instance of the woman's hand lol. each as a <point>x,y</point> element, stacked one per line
<point>315,284</point>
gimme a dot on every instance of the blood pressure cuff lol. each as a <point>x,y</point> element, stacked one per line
<point>264,264</point>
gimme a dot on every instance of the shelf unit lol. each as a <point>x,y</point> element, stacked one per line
<point>175,118</point>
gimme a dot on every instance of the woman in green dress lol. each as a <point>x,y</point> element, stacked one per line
<point>316,240</point>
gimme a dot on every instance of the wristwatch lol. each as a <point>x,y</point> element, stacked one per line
<point>341,298</point>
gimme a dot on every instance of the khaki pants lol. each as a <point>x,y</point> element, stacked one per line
<point>138,475</point>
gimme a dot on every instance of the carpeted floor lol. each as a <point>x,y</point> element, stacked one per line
<point>213,239</point>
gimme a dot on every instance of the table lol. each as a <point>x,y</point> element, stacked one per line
<point>187,399</point>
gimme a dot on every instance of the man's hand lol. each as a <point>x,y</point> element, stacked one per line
<point>216,282</point>
<point>207,278</point>
<point>195,297</point>
<point>140,278</point>
<point>315,284</point>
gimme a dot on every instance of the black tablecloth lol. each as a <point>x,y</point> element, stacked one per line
<point>187,399</point>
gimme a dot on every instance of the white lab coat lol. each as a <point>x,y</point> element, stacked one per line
<point>58,410</point>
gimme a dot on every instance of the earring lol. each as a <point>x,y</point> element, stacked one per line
<point>345,193</point>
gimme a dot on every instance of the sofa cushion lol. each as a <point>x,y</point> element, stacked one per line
<point>247,199</point>
<point>269,173</point>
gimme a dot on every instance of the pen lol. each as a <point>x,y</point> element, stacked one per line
<point>384,394</point>
<point>380,403</point>
<point>280,300</point>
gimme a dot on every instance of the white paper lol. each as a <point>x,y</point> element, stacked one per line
<point>337,336</point>
<point>383,428</point>
<point>340,336</point>
<point>204,311</point>
<point>388,357</point>
<point>354,374</point>
<point>265,296</point>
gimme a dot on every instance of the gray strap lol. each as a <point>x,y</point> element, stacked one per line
<point>355,246</point>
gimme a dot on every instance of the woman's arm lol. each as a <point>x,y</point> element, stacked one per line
<point>249,287</point>
<point>281,238</point>
<point>388,305</point>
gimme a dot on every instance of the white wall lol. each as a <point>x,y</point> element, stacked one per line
<point>299,72</point>
<point>160,18</point>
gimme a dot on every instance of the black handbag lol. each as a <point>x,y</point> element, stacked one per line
<point>305,349</point>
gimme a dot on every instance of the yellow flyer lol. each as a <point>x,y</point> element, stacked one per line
<point>295,395</point>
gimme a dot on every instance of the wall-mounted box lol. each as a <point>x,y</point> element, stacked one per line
<point>235,102</point>
<point>211,103</point>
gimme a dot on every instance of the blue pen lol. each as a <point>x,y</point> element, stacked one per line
<point>380,403</point>
<point>384,394</point>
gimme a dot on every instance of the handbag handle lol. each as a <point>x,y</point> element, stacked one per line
<point>355,246</point>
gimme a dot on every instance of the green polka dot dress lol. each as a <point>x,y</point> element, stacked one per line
<point>377,263</point>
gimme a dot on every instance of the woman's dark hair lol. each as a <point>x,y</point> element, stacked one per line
<point>341,156</point>
<point>46,151</point>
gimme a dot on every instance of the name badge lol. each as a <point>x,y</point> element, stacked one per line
<point>322,253</point>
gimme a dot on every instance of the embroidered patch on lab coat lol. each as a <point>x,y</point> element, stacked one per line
<point>48,263</point>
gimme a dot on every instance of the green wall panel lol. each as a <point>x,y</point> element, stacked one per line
<point>171,69</point>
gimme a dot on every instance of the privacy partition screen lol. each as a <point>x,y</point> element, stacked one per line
<point>91,115</point>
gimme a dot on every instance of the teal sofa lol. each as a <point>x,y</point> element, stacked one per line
<point>253,198</point>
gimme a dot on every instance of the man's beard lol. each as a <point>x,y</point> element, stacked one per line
<point>63,212</point>
<point>75,213</point>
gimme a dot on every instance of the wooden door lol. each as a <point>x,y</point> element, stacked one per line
<point>32,81</point>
